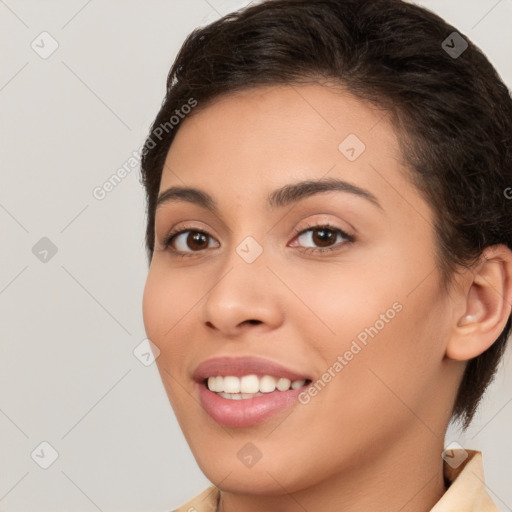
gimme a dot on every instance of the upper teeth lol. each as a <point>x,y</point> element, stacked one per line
<point>251,384</point>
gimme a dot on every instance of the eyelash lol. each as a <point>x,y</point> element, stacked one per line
<point>349,239</point>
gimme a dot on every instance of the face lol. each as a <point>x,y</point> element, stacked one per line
<point>334,290</point>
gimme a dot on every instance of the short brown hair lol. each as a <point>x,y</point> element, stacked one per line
<point>453,113</point>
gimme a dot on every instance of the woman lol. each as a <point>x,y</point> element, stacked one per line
<point>329,237</point>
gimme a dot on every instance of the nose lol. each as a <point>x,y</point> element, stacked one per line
<point>245,296</point>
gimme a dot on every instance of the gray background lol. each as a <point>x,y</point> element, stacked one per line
<point>70,324</point>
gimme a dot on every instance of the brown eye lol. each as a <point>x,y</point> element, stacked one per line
<point>188,241</point>
<point>323,237</point>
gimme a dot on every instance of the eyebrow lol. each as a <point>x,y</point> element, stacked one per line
<point>279,198</point>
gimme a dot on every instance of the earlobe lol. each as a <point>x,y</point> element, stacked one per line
<point>487,305</point>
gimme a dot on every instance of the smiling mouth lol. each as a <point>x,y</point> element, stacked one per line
<point>250,386</point>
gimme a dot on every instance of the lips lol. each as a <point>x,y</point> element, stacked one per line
<point>248,409</point>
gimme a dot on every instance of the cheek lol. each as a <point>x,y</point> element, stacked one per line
<point>164,307</point>
<point>169,305</point>
<point>396,368</point>
<point>152,306</point>
<point>339,301</point>
<point>385,319</point>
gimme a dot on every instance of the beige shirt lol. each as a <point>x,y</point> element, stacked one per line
<point>466,492</point>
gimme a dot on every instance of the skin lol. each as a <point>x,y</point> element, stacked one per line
<point>372,438</point>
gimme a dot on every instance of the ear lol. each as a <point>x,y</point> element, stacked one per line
<point>486,303</point>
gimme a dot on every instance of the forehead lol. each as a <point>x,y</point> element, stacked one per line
<point>287,113</point>
<point>262,138</point>
<point>285,120</point>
